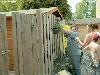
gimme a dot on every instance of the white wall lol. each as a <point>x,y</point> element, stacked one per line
<point>97,8</point>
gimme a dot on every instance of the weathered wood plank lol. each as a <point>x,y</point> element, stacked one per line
<point>0,47</point>
<point>14,26</point>
<point>19,43</point>
<point>44,40</point>
<point>4,50</point>
<point>29,43</point>
<point>24,43</point>
<point>61,45</point>
<point>40,40</point>
<point>49,41</point>
<point>57,44</point>
<point>35,45</point>
<point>45,43</point>
<point>6,69</point>
<point>51,38</point>
<point>51,54</point>
<point>48,44</point>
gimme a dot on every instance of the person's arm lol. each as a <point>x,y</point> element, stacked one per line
<point>86,41</point>
<point>65,32</point>
<point>99,41</point>
<point>90,47</point>
<point>87,47</point>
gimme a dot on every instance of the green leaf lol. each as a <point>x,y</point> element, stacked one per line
<point>86,9</point>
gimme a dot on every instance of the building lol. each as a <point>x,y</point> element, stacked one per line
<point>97,8</point>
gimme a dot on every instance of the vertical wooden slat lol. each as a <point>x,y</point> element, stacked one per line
<point>40,40</point>
<point>1,44</point>
<point>48,45</point>
<point>57,44</point>
<point>51,54</point>
<point>24,43</point>
<point>19,43</point>
<point>15,43</point>
<point>48,38</point>
<point>29,43</point>
<point>35,45</point>
<point>6,69</point>
<point>61,45</point>
<point>55,39</point>
<point>44,39</point>
<point>45,43</point>
<point>4,48</point>
<point>51,38</point>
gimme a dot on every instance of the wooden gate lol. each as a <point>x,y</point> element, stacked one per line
<point>4,70</point>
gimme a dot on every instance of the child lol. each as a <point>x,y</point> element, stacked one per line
<point>94,49</point>
<point>88,38</point>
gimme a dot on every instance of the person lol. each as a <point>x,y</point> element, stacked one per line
<point>94,49</point>
<point>74,48</point>
<point>88,38</point>
<point>85,54</point>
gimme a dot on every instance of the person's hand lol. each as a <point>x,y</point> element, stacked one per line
<point>61,29</point>
<point>77,38</point>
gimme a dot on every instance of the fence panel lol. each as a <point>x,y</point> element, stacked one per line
<point>35,45</point>
<point>22,44</point>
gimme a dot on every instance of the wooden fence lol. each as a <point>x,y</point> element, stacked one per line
<point>35,45</point>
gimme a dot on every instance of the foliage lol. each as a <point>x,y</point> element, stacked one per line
<point>9,5</point>
<point>56,25</point>
<point>61,4</point>
<point>56,28</point>
<point>62,63</point>
<point>86,9</point>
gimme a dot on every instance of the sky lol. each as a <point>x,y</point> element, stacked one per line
<point>72,3</point>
